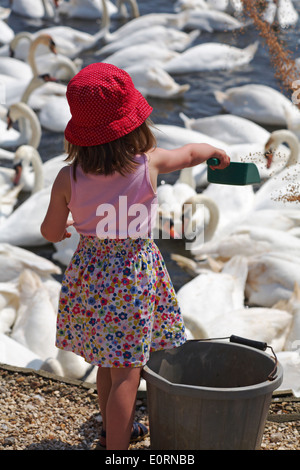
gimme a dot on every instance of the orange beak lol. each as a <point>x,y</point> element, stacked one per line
<point>269,156</point>
<point>18,172</point>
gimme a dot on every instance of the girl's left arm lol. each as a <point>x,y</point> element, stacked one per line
<point>54,226</point>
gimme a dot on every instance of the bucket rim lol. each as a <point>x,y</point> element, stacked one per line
<point>220,393</point>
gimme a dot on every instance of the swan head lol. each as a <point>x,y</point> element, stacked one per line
<point>276,139</point>
<point>27,163</point>
<point>15,111</point>
<point>46,40</point>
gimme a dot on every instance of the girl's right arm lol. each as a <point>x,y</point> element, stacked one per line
<point>166,161</point>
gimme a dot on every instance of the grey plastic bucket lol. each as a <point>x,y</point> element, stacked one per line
<point>209,395</point>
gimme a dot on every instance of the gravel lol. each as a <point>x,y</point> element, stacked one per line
<point>40,411</point>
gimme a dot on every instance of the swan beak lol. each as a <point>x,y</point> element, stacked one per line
<point>269,157</point>
<point>48,78</point>
<point>9,122</point>
<point>18,172</point>
<point>52,46</point>
<point>169,227</point>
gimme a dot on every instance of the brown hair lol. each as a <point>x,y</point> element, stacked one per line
<point>118,155</point>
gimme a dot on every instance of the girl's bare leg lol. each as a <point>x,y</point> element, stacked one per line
<point>120,406</point>
<point>103,388</point>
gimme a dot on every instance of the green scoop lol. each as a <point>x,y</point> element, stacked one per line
<point>235,173</point>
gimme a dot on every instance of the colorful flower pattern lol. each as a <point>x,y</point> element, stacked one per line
<point>117,303</point>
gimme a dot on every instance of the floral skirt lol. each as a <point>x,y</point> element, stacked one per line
<point>117,303</point>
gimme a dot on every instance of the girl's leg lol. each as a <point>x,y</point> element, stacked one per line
<point>120,407</point>
<point>103,389</point>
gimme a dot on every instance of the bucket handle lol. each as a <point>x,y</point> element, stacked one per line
<point>252,343</point>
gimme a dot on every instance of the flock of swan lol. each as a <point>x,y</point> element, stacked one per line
<point>244,260</point>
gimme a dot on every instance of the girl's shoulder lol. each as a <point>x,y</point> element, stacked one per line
<point>62,182</point>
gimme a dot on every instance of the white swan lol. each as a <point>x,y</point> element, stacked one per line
<point>198,298</point>
<point>170,38</point>
<point>271,277</point>
<point>71,42</point>
<point>6,33</point>
<point>249,239</point>
<point>290,362</point>
<point>211,56</point>
<point>31,170</point>
<point>140,54</point>
<point>144,22</point>
<point>292,305</point>
<point>29,127</point>
<point>212,20</point>
<point>209,315</point>
<point>19,90</point>
<point>33,174</point>
<point>85,9</point>
<point>259,103</point>
<point>171,198</point>
<point>9,303</point>
<point>8,194</point>
<point>55,114</point>
<point>155,81</point>
<point>68,364</point>
<point>184,213</point>
<point>23,177</point>
<point>15,259</point>
<point>35,324</point>
<point>228,128</point>
<point>286,14</point>
<point>231,203</point>
<point>171,136</point>
<point>15,354</point>
<point>276,191</point>
<point>267,324</point>
<point>38,96</point>
<point>255,153</point>
<point>35,8</point>
<point>17,230</point>
<point>65,249</point>
<point>18,46</point>
<point>191,4</point>
<point>16,67</point>
<point>38,60</point>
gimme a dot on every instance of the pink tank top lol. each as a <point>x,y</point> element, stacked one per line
<point>114,206</point>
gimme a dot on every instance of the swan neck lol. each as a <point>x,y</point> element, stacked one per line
<point>31,56</point>
<point>18,37</point>
<point>213,213</point>
<point>48,11</point>
<point>292,142</point>
<point>24,115</point>
<point>186,176</point>
<point>105,21</point>
<point>34,83</point>
<point>65,63</point>
<point>294,147</point>
<point>133,6</point>
<point>38,171</point>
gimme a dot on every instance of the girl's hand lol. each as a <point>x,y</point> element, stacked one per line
<point>222,156</point>
<point>67,234</point>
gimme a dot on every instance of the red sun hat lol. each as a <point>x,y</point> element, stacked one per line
<point>104,105</point>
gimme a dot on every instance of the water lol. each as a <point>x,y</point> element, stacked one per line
<point>199,101</point>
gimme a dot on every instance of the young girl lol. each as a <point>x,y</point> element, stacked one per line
<point>117,301</point>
